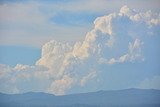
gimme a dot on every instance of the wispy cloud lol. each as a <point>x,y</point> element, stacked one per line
<point>21,20</point>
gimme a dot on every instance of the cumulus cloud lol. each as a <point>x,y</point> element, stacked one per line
<point>16,79</point>
<point>115,38</point>
<point>85,79</point>
<point>133,53</point>
<point>59,86</point>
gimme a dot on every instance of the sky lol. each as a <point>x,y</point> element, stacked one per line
<point>74,46</point>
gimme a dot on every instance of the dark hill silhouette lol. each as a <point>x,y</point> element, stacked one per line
<point>117,98</point>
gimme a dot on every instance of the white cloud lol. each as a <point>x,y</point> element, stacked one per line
<point>53,54</point>
<point>147,17</point>
<point>126,11</point>
<point>58,87</point>
<point>115,38</point>
<point>88,77</point>
<point>134,53</point>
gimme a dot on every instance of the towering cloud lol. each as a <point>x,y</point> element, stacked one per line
<point>115,38</point>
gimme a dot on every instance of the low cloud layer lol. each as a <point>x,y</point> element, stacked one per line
<point>116,38</point>
<point>150,83</point>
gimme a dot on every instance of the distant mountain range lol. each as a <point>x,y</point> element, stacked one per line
<point>117,98</point>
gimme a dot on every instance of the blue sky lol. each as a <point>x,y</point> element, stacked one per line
<point>26,55</point>
<point>26,27</point>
